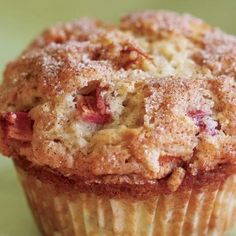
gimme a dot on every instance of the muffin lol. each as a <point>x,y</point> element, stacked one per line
<point>125,130</point>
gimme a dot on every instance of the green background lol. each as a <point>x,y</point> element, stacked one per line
<point>20,21</point>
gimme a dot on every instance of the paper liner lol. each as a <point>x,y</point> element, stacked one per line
<point>209,212</point>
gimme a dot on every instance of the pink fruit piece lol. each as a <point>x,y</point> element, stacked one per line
<point>203,120</point>
<point>17,125</point>
<point>93,108</point>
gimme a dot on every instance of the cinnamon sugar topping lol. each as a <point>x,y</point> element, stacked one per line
<point>154,97</point>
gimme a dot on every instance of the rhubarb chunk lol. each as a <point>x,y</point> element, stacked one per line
<point>204,121</point>
<point>17,125</point>
<point>93,108</point>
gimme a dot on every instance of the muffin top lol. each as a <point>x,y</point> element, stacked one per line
<point>152,96</point>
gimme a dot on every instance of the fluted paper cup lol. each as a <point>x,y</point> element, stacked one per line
<point>190,212</point>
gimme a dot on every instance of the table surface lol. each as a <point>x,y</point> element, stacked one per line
<point>21,20</point>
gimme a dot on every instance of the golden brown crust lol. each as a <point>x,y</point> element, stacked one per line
<point>162,24</point>
<point>146,98</point>
<point>82,30</point>
<point>127,186</point>
<point>218,54</point>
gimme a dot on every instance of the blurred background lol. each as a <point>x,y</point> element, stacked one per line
<point>22,20</point>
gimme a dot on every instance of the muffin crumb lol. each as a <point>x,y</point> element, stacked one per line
<point>176,179</point>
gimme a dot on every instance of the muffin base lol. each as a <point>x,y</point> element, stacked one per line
<point>208,211</point>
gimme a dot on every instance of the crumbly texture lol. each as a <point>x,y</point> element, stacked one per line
<point>153,96</point>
